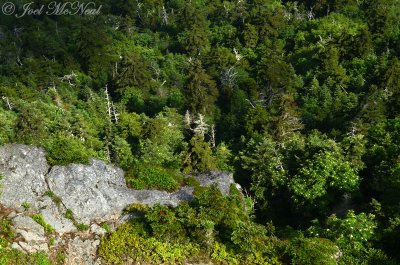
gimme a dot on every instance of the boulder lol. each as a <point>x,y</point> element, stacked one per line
<point>34,237</point>
<point>97,192</point>
<point>222,179</point>
<point>53,216</point>
<point>83,251</point>
<point>23,169</point>
<point>94,192</point>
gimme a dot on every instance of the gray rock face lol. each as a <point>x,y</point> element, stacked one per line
<point>53,216</point>
<point>28,228</point>
<point>23,169</point>
<point>97,230</point>
<point>83,251</point>
<point>94,193</point>
<point>97,192</point>
<point>32,233</point>
<point>222,179</point>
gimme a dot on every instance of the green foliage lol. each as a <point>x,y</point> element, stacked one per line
<point>13,256</point>
<point>200,90</point>
<point>162,143</point>
<point>153,177</point>
<point>130,125</point>
<point>61,258</point>
<point>382,158</point>
<point>165,225</point>
<point>354,230</point>
<point>64,149</point>
<point>106,227</point>
<point>136,207</point>
<point>55,199</point>
<point>69,214</point>
<point>325,171</point>
<point>223,157</point>
<point>6,232</point>
<point>191,182</point>
<point>308,251</point>
<point>82,227</point>
<point>199,156</point>
<point>353,234</point>
<point>211,227</point>
<point>7,123</point>
<point>26,205</point>
<point>304,97</point>
<point>122,152</point>
<point>126,243</point>
<point>221,255</point>
<point>305,174</point>
<point>39,219</point>
<point>9,256</point>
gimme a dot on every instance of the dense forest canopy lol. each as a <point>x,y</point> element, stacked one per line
<point>300,99</point>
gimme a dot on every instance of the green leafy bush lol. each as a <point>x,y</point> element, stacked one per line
<point>13,257</point>
<point>127,245</point>
<point>211,228</point>
<point>310,251</point>
<point>6,232</point>
<point>64,149</point>
<point>153,177</point>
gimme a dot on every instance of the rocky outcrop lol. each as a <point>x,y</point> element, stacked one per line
<point>94,193</point>
<point>54,215</point>
<point>223,180</point>
<point>23,169</point>
<point>97,192</point>
<point>33,235</point>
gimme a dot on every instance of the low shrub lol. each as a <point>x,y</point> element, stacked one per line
<point>126,245</point>
<point>64,149</point>
<point>13,257</point>
<point>153,177</point>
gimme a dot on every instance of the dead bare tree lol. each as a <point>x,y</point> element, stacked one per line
<point>56,97</point>
<point>238,56</point>
<point>164,16</point>
<point>212,136</point>
<point>241,8</point>
<point>139,5</point>
<point>353,131</point>
<point>229,77</point>
<point>310,14</point>
<point>157,72</point>
<point>109,103</point>
<point>69,78</point>
<point>17,32</point>
<point>201,127</point>
<point>115,114</point>
<point>9,104</point>
<point>188,119</point>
